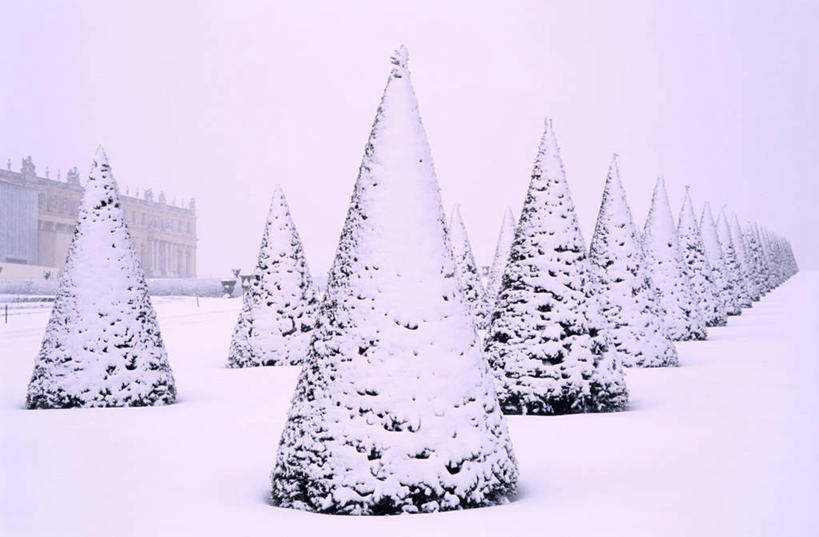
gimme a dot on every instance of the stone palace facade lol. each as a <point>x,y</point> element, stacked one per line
<point>38,215</point>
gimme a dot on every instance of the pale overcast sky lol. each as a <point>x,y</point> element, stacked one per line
<point>222,100</point>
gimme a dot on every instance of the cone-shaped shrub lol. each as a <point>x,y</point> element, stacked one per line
<point>546,341</point>
<point>700,273</point>
<point>684,319</point>
<point>790,259</point>
<point>770,260</point>
<point>102,346</point>
<point>624,285</point>
<point>723,280</point>
<point>279,306</point>
<point>744,258</point>
<point>502,249</point>
<point>395,410</point>
<point>755,255</point>
<point>734,268</point>
<point>468,272</point>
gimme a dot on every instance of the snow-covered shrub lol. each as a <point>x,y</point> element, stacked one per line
<point>279,305</point>
<point>625,290</point>
<point>468,271</point>
<point>724,281</point>
<point>700,273</point>
<point>755,257</point>
<point>744,258</point>
<point>395,409</point>
<point>102,346</point>
<point>502,249</point>
<point>661,246</point>
<point>734,268</point>
<point>545,342</point>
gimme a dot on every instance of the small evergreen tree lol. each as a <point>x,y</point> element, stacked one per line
<point>684,319</point>
<point>102,346</point>
<point>395,409</point>
<point>700,273</point>
<point>546,341</point>
<point>754,252</point>
<point>468,272</point>
<point>502,249</point>
<point>734,269</point>
<point>626,293</point>
<point>744,259</point>
<point>279,306</point>
<point>723,280</point>
<point>792,265</point>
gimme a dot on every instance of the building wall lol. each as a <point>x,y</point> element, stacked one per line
<point>164,235</point>
<point>18,224</point>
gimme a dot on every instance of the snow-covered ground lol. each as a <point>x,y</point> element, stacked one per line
<point>727,444</point>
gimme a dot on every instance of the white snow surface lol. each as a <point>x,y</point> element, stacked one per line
<point>693,455</point>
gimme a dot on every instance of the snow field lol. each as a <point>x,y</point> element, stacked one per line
<point>724,445</point>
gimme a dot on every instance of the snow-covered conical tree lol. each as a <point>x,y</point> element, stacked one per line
<point>700,273</point>
<point>279,306</point>
<point>793,266</point>
<point>468,271</point>
<point>744,258</point>
<point>664,257</point>
<point>756,262</point>
<point>625,290</point>
<point>546,341</point>
<point>723,280</point>
<point>734,268</point>
<point>770,259</point>
<point>502,249</point>
<point>395,409</point>
<point>102,346</point>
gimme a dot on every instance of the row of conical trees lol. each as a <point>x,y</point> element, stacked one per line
<point>399,405</point>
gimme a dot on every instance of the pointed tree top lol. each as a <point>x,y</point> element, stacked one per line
<point>456,214</point>
<point>659,224</point>
<point>509,216</point>
<point>549,161</point>
<point>100,157</point>
<point>278,205</point>
<point>688,205</point>
<point>400,59</point>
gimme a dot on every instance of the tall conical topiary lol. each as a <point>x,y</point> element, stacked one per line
<point>546,341</point>
<point>755,257</point>
<point>468,271</point>
<point>770,260</point>
<point>626,293</point>
<point>734,268</point>
<point>700,273</point>
<point>280,304</point>
<point>744,259</point>
<point>723,279</point>
<point>502,249</point>
<point>684,319</point>
<point>395,410</point>
<point>792,266</point>
<point>102,346</point>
